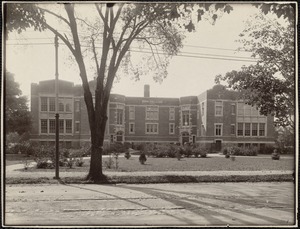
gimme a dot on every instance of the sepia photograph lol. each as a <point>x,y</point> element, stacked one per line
<point>149,114</point>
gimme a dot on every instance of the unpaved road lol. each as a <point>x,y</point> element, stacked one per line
<point>151,204</point>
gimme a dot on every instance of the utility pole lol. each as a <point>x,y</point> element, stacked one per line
<point>56,109</point>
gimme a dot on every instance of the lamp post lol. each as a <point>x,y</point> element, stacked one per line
<point>56,111</point>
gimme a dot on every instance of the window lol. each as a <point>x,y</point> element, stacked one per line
<point>240,109</point>
<point>131,128</point>
<point>152,113</point>
<point>185,118</point>
<point>218,129</point>
<point>77,126</point>
<point>254,129</point>
<point>51,104</point>
<point>61,106</point>
<point>233,108</point>
<point>218,108</point>
<point>202,108</point>
<point>68,145</point>
<point>119,114</point>
<point>240,131</point>
<point>61,126</point>
<point>68,126</point>
<point>44,126</point>
<point>44,104</point>
<point>171,113</point>
<point>247,129</point>
<point>151,128</point>
<point>198,114</point>
<point>119,136</point>
<point>261,129</point>
<point>255,145</point>
<point>232,129</point>
<point>77,106</point>
<point>52,126</point>
<point>131,113</point>
<point>171,128</point>
<point>247,145</point>
<point>68,107</point>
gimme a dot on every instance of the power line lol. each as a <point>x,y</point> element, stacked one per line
<point>183,54</point>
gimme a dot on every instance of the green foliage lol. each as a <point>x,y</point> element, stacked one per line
<point>200,150</point>
<point>109,163</point>
<point>21,16</point>
<point>269,85</point>
<point>268,149</point>
<point>17,116</point>
<point>275,155</point>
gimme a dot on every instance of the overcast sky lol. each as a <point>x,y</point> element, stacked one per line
<point>35,62</point>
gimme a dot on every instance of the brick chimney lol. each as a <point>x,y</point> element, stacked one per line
<point>146,90</point>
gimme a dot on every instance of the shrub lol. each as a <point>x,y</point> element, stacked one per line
<point>70,162</point>
<point>275,155</point>
<point>108,164</point>
<point>142,158</point>
<point>45,155</point>
<point>238,151</point>
<point>199,151</point>
<point>268,149</point>
<point>44,164</point>
<point>127,155</point>
<point>79,162</point>
<point>187,150</point>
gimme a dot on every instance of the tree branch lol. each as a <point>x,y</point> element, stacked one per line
<point>56,15</point>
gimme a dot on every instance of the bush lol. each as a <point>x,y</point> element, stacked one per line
<point>142,158</point>
<point>238,151</point>
<point>44,164</point>
<point>127,155</point>
<point>199,151</point>
<point>109,164</point>
<point>79,162</point>
<point>275,155</point>
<point>268,149</point>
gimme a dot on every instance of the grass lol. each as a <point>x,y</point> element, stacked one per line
<point>13,159</point>
<point>187,164</point>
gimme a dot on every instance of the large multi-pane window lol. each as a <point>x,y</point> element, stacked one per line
<point>240,130</point>
<point>51,104</point>
<point>51,126</point>
<point>61,126</point>
<point>68,126</point>
<point>218,108</point>
<point>44,104</point>
<point>44,126</point>
<point>172,113</point>
<point>131,112</point>
<point>119,114</point>
<point>185,118</point>
<point>152,113</point>
<point>247,129</point>
<point>254,129</point>
<point>151,128</point>
<point>261,129</point>
<point>61,107</point>
<point>218,129</point>
<point>171,128</point>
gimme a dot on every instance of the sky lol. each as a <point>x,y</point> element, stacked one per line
<point>31,62</point>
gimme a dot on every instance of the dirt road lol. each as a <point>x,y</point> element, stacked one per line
<point>151,204</point>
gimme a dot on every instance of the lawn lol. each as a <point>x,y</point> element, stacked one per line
<point>189,164</point>
<point>13,159</point>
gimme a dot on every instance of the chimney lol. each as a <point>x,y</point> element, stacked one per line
<point>146,90</point>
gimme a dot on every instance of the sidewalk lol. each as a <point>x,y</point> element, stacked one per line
<point>12,173</point>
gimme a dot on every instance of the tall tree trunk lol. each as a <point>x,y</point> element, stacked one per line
<point>97,142</point>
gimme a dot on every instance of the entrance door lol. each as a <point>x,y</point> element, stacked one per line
<point>185,138</point>
<point>119,136</point>
<point>218,145</point>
